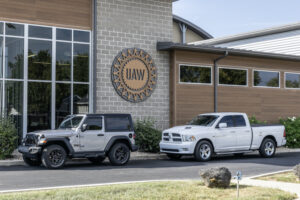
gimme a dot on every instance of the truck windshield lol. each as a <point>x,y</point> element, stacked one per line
<point>204,120</point>
<point>70,122</point>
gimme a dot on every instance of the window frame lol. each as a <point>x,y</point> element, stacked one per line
<point>234,68</point>
<point>279,81</point>
<point>196,65</point>
<point>284,79</point>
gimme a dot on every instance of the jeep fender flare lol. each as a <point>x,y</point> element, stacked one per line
<point>65,142</point>
<point>115,139</point>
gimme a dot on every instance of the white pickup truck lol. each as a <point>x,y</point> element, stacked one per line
<point>221,133</point>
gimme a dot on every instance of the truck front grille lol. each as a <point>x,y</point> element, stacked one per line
<point>171,137</point>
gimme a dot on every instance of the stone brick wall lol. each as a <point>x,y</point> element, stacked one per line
<point>126,24</point>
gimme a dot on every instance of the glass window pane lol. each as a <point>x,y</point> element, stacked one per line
<point>14,29</point>
<point>14,64</point>
<point>266,79</point>
<point>81,36</point>
<point>228,120</point>
<point>1,56</point>
<point>239,121</point>
<point>40,32</point>
<point>81,99</point>
<point>81,62</point>
<point>194,74</point>
<point>118,124</point>
<point>39,106</point>
<point>63,34</point>
<point>14,104</point>
<point>63,61</point>
<point>232,76</point>
<point>94,123</point>
<point>1,27</point>
<point>63,102</point>
<point>39,60</point>
<point>292,80</point>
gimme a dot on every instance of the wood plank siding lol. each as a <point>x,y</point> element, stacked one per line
<point>61,13</point>
<point>265,103</point>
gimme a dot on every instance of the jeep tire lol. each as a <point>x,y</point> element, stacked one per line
<point>54,156</point>
<point>174,156</point>
<point>32,161</point>
<point>203,151</point>
<point>96,160</point>
<point>119,154</point>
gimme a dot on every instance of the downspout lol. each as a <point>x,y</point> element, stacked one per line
<point>216,80</point>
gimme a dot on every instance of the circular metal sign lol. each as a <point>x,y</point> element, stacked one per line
<point>134,74</point>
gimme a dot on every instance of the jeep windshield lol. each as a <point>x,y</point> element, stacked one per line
<point>71,122</point>
<point>204,120</point>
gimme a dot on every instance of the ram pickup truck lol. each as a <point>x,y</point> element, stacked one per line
<point>221,133</point>
<point>91,136</point>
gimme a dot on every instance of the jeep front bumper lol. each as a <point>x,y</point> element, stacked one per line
<point>30,151</point>
<point>177,148</point>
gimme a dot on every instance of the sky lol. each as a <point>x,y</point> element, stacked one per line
<point>228,17</point>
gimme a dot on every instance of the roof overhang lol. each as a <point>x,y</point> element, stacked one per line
<point>167,46</point>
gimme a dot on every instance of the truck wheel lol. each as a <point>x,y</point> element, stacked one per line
<point>267,148</point>
<point>96,160</point>
<point>174,156</point>
<point>203,151</point>
<point>119,154</point>
<point>31,161</point>
<point>54,157</point>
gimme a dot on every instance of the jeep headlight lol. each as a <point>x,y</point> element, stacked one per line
<point>42,140</point>
<point>188,138</point>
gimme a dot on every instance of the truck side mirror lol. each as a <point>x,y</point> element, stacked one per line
<point>223,125</point>
<point>84,127</point>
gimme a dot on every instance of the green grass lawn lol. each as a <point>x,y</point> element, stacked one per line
<point>170,190</point>
<point>284,177</point>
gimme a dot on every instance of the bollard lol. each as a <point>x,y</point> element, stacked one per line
<point>238,177</point>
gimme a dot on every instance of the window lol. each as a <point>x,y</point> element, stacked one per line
<point>63,61</point>
<point>81,62</point>
<point>239,121</point>
<point>1,27</point>
<point>232,76</point>
<point>118,124</point>
<point>71,122</point>
<point>292,80</point>
<point>14,29</point>
<point>94,123</point>
<point>63,34</point>
<point>14,54</point>
<point>228,120</point>
<point>40,32</point>
<point>81,36</point>
<point>204,120</point>
<point>266,79</point>
<point>195,74</point>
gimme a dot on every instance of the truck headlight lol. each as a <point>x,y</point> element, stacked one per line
<point>188,138</point>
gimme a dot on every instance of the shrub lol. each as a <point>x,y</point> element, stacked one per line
<point>8,137</point>
<point>292,128</point>
<point>253,120</point>
<point>147,137</point>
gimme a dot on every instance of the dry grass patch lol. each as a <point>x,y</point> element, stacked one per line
<point>289,177</point>
<point>167,190</point>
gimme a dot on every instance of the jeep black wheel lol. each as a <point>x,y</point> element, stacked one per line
<point>203,151</point>
<point>267,148</point>
<point>54,157</point>
<point>119,154</point>
<point>32,161</point>
<point>96,160</point>
<point>174,156</point>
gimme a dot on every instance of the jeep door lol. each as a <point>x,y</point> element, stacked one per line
<point>93,137</point>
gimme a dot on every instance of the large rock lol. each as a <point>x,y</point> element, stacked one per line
<point>216,177</point>
<point>297,171</point>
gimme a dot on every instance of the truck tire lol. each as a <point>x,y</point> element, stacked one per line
<point>31,161</point>
<point>119,154</point>
<point>96,160</point>
<point>267,148</point>
<point>174,156</point>
<point>54,157</point>
<point>203,151</point>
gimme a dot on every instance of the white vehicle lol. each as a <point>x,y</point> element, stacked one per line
<point>221,133</point>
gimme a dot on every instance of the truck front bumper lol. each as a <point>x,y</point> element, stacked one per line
<point>30,151</point>
<point>186,148</point>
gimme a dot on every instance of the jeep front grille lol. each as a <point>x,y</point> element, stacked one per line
<point>30,140</point>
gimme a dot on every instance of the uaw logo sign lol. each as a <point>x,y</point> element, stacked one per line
<point>134,74</point>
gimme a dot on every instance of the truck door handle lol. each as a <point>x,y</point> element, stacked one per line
<point>100,134</point>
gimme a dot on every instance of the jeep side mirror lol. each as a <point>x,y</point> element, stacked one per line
<point>84,127</point>
<point>223,125</point>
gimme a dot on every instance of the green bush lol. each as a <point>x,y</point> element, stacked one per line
<point>147,137</point>
<point>292,128</point>
<point>253,120</point>
<point>8,137</point>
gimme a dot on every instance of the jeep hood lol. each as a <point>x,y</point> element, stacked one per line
<point>54,133</point>
<point>187,129</point>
